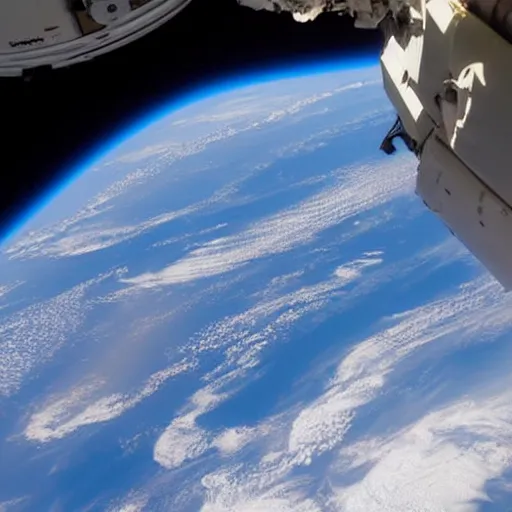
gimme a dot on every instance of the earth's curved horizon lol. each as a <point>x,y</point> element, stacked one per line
<point>224,84</point>
<point>243,306</point>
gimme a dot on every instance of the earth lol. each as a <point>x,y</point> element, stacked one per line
<point>242,305</point>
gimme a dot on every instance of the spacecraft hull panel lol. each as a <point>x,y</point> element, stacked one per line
<point>403,95</point>
<point>134,25</point>
<point>477,216</point>
<point>49,23</point>
<point>481,65</point>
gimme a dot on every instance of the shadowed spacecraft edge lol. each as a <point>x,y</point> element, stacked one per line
<point>446,67</point>
<point>59,33</point>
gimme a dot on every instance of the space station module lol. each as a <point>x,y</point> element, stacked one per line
<point>40,35</point>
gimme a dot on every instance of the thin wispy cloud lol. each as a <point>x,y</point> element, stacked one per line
<point>361,189</point>
<point>96,238</point>
<point>253,110</point>
<point>32,336</point>
<point>66,414</point>
<point>13,504</point>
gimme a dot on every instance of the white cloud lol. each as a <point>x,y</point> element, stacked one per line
<point>146,152</point>
<point>261,486</point>
<point>360,190</point>
<point>281,498</point>
<point>302,103</point>
<point>132,503</point>
<point>30,337</point>
<point>353,269</point>
<point>183,439</point>
<point>260,109</point>
<point>7,506</point>
<point>7,288</point>
<point>442,462</point>
<point>370,254</point>
<point>239,114</point>
<point>257,487</point>
<point>66,414</point>
<point>233,439</point>
<point>131,507</point>
<point>178,238</point>
<point>96,238</point>
<point>475,312</point>
<point>323,137</point>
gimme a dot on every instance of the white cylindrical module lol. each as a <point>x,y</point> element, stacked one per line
<point>58,33</point>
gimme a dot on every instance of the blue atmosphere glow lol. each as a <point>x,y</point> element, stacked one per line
<point>222,85</point>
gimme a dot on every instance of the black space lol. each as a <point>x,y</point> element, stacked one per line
<point>52,121</point>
